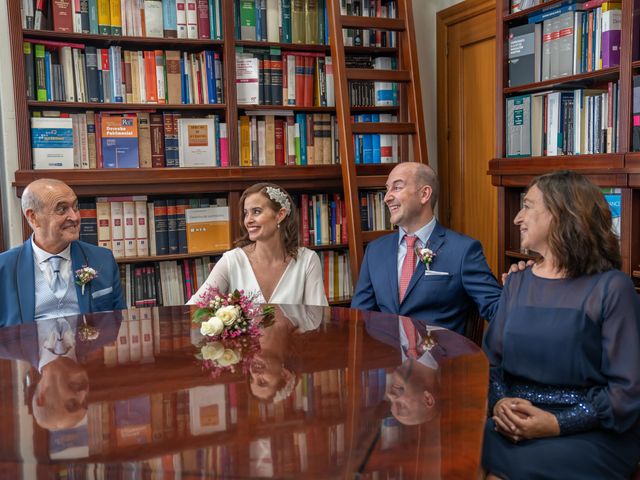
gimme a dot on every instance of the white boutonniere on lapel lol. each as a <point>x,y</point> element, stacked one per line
<point>84,275</point>
<point>426,256</point>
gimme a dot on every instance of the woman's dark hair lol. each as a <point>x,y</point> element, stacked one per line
<point>288,227</point>
<point>580,234</point>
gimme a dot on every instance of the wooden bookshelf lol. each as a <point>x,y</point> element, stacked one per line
<point>617,170</point>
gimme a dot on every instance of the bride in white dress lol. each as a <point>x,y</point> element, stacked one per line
<point>268,260</point>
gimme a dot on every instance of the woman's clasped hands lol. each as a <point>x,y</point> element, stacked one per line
<point>518,419</point>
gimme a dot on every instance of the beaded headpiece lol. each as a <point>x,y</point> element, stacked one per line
<point>279,197</point>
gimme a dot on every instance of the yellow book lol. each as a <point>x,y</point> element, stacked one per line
<point>245,141</point>
<point>116,17</point>
<point>208,229</point>
<point>104,17</point>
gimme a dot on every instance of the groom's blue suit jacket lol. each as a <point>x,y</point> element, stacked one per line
<point>437,299</point>
<point>17,282</point>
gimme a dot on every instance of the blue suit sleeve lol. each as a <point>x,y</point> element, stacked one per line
<point>364,297</point>
<point>479,282</point>
<point>118,297</point>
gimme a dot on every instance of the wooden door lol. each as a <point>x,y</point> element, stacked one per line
<point>466,121</point>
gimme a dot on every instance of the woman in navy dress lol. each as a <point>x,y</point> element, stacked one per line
<point>564,348</point>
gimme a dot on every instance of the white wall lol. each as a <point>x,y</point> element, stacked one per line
<point>8,143</point>
<point>424,12</point>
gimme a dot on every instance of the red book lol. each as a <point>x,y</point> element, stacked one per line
<point>308,81</point>
<point>300,81</point>
<point>62,16</point>
<point>280,141</point>
<point>304,218</point>
<point>151,84</point>
<point>204,30</point>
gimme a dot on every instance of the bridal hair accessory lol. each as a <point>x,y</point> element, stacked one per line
<point>286,390</point>
<point>279,197</point>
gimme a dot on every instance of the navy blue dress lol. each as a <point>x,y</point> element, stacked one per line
<point>572,348</point>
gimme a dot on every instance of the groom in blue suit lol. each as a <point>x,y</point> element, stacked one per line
<point>38,278</point>
<point>440,292</point>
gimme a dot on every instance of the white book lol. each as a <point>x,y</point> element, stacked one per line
<point>197,143</point>
<point>331,94</point>
<point>291,79</point>
<point>273,21</point>
<point>142,230</point>
<point>192,19</point>
<point>247,86</point>
<point>52,143</point>
<point>207,409</point>
<point>117,229</point>
<point>553,121</point>
<point>181,18</point>
<point>153,18</point>
<point>129,216</point>
<point>77,154</point>
<point>262,143</point>
<point>151,222</point>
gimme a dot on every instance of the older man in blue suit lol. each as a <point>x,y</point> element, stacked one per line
<point>398,274</point>
<point>39,279</point>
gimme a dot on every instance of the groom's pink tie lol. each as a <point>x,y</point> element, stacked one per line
<point>412,337</point>
<point>408,265</point>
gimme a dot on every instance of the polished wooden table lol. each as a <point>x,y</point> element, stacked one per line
<point>323,393</point>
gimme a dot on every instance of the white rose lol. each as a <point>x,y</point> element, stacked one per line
<point>213,326</point>
<point>229,357</point>
<point>212,351</point>
<point>228,314</point>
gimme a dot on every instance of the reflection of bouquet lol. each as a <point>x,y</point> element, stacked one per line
<point>229,316</point>
<point>228,355</point>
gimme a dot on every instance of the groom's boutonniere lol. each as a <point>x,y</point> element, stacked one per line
<point>426,256</point>
<point>84,275</point>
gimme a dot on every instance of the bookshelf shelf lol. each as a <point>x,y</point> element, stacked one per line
<point>155,42</point>
<point>152,181</point>
<point>597,163</point>
<point>164,258</point>
<point>280,108</point>
<point>583,79</point>
<point>525,13</point>
<point>124,106</point>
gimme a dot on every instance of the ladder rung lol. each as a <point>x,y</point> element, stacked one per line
<point>372,181</point>
<point>378,75</point>
<point>373,23</point>
<point>383,127</point>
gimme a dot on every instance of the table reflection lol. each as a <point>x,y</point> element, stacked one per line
<point>323,392</point>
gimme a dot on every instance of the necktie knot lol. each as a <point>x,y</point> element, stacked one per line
<point>410,240</point>
<point>54,261</point>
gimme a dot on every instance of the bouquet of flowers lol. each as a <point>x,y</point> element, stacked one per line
<point>229,316</point>
<point>229,355</point>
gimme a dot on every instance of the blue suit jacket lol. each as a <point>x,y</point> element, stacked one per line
<point>436,299</point>
<point>17,288</point>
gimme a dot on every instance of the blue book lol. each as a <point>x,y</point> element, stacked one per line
<point>332,225</point>
<point>318,210</point>
<point>285,36</point>
<point>367,141</point>
<point>211,76</point>
<point>172,227</point>
<point>212,19</point>
<point>119,142</point>
<point>301,120</point>
<point>564,7</point>
<point>47,74</point>
<point>93,17</point>
<point>184,86</point>
<point>259,13</point>
<point>169,18</point>
<point>375,140</point>
<point>216,126</point>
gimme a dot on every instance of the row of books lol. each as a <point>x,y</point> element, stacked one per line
<point>336,274</point>
<point>323,219</point>
<point>196,19</point>
<point>374,385</point>
<point>131,227</point>
<point>129,140</point>
<point>282,21</point>
<point>300,139</point>
<point>567,40</point>
<point>163,284</point>
<point>70,72</point>
<point>375,147</point>
<point>369,8</point>
<point>366,93</point>
<point>374,214</point>
<point>273,77</point>
<point>573,122</point>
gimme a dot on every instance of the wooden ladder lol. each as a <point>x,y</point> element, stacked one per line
<point>410,114</point>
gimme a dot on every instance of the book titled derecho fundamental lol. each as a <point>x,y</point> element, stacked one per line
<point>52,142</point>
<point>208,229</point>
<point>119,142</point>
<point>197,142</point>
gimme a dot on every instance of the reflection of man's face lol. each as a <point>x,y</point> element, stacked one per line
<point>412,401</point>
<point>267,376</point>
<point>60,398</point>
